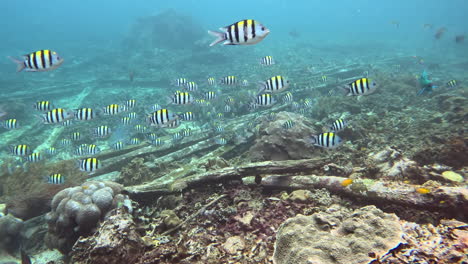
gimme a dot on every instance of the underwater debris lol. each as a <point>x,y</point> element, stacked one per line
<point>76,211</point>
<point>337,236</point>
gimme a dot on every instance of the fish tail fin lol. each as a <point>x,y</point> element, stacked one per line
<point>313,140</point>
<point>345,90</point>
<point>220,37</point>
<point>19,64</point>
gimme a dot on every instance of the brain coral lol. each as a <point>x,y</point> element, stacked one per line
<point>337,236</point>
<point>76,211</point>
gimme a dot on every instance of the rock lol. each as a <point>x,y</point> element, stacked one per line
<point>170,219</point>
<point>246,218</point>
<point>391,163</point>
<point>116,241</point>
<point>234,244</point>
<point>300,196</point>
<point>337,236</point>
<point>452,176</point>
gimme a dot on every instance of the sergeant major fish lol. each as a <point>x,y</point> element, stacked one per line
<point>244,32</point>
<point>326,140</point>
<point>362,86</point>
<point>275,84</point>
<point>39,61</point>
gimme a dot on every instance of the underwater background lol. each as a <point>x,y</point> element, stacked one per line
<point>338,136</point>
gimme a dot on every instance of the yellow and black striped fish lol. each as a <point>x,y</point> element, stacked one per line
<point>43,106</point>
<point>244,32</point>
<point>90,164</point>
<point>39,61</point>
<point>229,80</point>
<point>191,86</point>
<point>113,109</point>
<point>102,131</point>
<point>274,85</point>
<point>84,114</point>
<point>57,115</point>
<point>362,86</point>
<point>338,125</point>
<point>162,118</point>
<point>210,95</point>
<point>211,81</point>
<point>187,116</point>
<point>55,178</point>
<point>10,124</point>
<point>267,61</point>
<point>182,98</point>
<point>33,157</point>
<point>20,150</point>
<point>75,136</point>
<point>265,100</point>
<point>452,83</point>
<point>327,140</point>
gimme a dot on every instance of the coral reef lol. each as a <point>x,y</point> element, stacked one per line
<point>136,172</point>
<point>76,211</point>
<point>10,230</point>
<point>115,241</point>
<point>276,143</point>
<point>337,236</point>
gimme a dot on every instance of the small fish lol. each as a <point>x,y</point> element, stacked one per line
<point>227,109</point>
<point>174,124</point>
<point>287,98</point>
<point>267,61</point>
<point>90,164</point>
<point>191,86</point>
<point>118,145</point>
<point>84,114</point>
<point>229,80</point>
<point>252,106</point>
<point>75,136</point>
<point>130,103</point>
<point>20,150</point>
<point>221,141</point>
<point>55,178</point>
<point>157,142</point>
<point>57,115</point>
<point>220,115</point>
<point>459,38</point>
<point>10,124</point>
<point>395,23</point>
<point>346,182</point>
<point>87,149</point>
<point>67,123</point>
<point>218,129</point>
<point>229,100</point>
<point>295,106</point>
<point>324,78</point>
<point>102,131</point>
<point>187,116</point>
<point>428,26</point>
<point>155,107</point>
<point>362,86</point>
<point>245,83</point>
<point>140,128</point>
<point>338,125</point>
<point>182,98</point>
<point>126,120</point>
<point>440,32</point>
<point>180,82</point>
<point>177,136</point>
<point>134,141</point>
<point>162,118</point>
<point>51,151</point>
<point>43,106</point>
<point>186,132</point>
<point>66,142</point>
<point>452,83</point>
<point>288,124</point>
<point>326,140</point>
<point>211,81</point>
<point>307,103</point>
<point>244,32</point>
<point>265,99</point>
<point>33,157</point>
<point>39,61</point>
<point>113,109</point>
<point>133,115</point>
<point>151,136</point>
<point>423,190</point>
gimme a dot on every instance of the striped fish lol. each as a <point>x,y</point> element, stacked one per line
<point>134,141</point>
<point>87,149</point>
<point>275,84</point>
<point>174,124</point>
<point>338,125</point>
<point>324,78</point>
<point>90,164</point>
<point>177,136</point>
<point>84,114</point>
<point>210,95</point>
<point>33,157</point>
<point>51,151</point>
<point>118,145</point>
<point>39,61</point>
<point>113,109</point>
<point>151,136</point>
<point>227,109</point>
<point>75,136</point>
<point>132,115</point>
<point>245,83</point>
<point>244,32</point>
<point>218,129</point>
<point>327,140</point>
<point>126,120</point>
<point>265,99</point>
<point>130,103</point>
<point>186,132</point>
<point>267,61</point>
<point>182,98</point>
<point>220,115</point>
<point>211,81</point>
<point>57,115</point>
<point>229,80</point>
<point>102,131</point>
<point>191,86</point>
<point>43,106</point>
<point>55,178</point>
<point>162,118</point>
<point>180,82</point>
<point>288,124</point>
<point>140,128</point>
<point>67,123</point>
<point>287,98</point>
<point>157,142</point>
<point>229,100</point>
<point>452,83</point>
<point>65,142</point>
<point>362,86</point>
<point>221,141</point>
<point>20,150</point>
<point>187,116</point>
<point>10,124</point>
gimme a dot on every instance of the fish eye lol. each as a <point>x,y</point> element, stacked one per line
<point>263,28</point>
